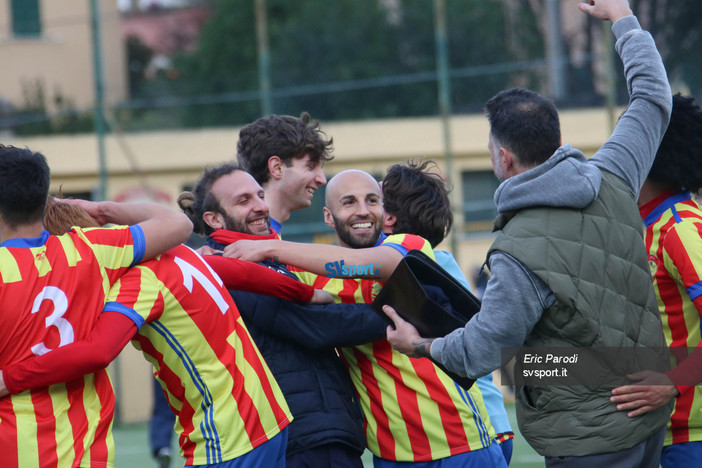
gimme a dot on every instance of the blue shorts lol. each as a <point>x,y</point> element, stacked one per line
<point>270,454</point>
<point>684,454</point>
<point>490,456</point>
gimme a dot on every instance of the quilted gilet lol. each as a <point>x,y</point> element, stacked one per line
<point>594,261</point>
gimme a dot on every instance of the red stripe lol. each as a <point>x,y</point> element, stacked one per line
<point>677,250</point>
<point>320,282</point>
<point>412,242</point>
<point>46,429</point>
<point>452,424</point>
<point>99,451</point>
<point>77,416</point>
<point>8,433</point>
<point>680,417</point>
<point>386,441</point>
<point>247,407</point>
<point>406,402</point>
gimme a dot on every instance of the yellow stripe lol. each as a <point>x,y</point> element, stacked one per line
<point>27,443</point>
<point>64,433</point>
<point>72,254</point>
<point>10,269</point>
<point>93,406</point>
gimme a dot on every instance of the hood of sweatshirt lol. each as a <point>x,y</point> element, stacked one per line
<point>565,180</point>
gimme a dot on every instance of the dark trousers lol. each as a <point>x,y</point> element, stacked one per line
<point>646,454</point>
<point>162,421</point>
<point>325,456</point>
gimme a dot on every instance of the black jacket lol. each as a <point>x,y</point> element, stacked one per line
<point>308,370</point>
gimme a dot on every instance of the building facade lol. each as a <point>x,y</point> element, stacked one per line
<point>48,44</point>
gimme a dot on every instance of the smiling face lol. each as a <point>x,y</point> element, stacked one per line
<point>354,209</point>
<point>242,205</point>
<point>300,181</point>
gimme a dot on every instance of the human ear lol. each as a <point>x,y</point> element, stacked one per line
<point>328,218</point>
<point>213,219</point>
<point>275,167</point>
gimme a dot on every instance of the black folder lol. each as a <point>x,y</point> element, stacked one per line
<point>412,291</point>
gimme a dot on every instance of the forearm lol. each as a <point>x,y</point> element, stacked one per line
<point>248,276</point>
<point>513,303</point>
<point>321,259</point>
<point>111,333</point>
<point>163,228</point>
<point>630,151</point>
<point>310,325</point>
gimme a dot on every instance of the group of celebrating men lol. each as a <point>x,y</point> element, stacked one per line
<point>268,360</point>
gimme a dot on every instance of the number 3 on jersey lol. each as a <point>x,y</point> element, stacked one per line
<point>56,319</point>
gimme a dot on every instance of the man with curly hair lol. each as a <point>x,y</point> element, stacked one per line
<point>285,155</point>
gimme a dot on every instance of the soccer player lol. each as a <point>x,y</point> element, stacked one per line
<point>416,201</point>
<point>228,204</point>
<point>414,412</point>
<point>673,222</point>
<point>230,411</point>
<point>52,288</point>
<point>285,155</point>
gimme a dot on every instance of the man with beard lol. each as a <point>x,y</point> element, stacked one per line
<point>414,412</point>
<point>226,205</point>
<point>569,265</point>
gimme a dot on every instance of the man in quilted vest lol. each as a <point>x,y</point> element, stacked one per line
<point>569,267</point>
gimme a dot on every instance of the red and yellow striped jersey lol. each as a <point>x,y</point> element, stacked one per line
<point>212,373</point>
<point>413,411</point>
<point>52,290</point>
<point>674,242</point>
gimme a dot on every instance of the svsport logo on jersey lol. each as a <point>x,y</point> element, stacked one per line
<point>339,268</point>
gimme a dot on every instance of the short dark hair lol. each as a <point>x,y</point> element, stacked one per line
<point>284,136</point>
<point>25,179</point>
<point>419,200</point>
<point>678,162</point>
<point>196,203</point>
<point>525,122</point>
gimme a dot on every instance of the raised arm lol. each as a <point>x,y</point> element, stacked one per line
<point>163,228</point>
<point>630,151</point>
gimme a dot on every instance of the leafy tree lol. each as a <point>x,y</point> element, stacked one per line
<point>348,59</point>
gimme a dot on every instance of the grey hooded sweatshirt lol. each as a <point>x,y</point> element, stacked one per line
<point>515,297</point>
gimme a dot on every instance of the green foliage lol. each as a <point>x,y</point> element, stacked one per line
<point>347,59</point>
<point>33,117</point>
<point>679,36</point>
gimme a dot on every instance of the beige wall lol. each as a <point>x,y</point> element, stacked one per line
<point>62,56</point>
<point>168,160</point>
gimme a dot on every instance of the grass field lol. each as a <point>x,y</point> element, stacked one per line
<point>133,448</point>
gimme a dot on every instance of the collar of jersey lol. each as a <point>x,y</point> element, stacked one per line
<point>661,206</point>
<point>28,242</point>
